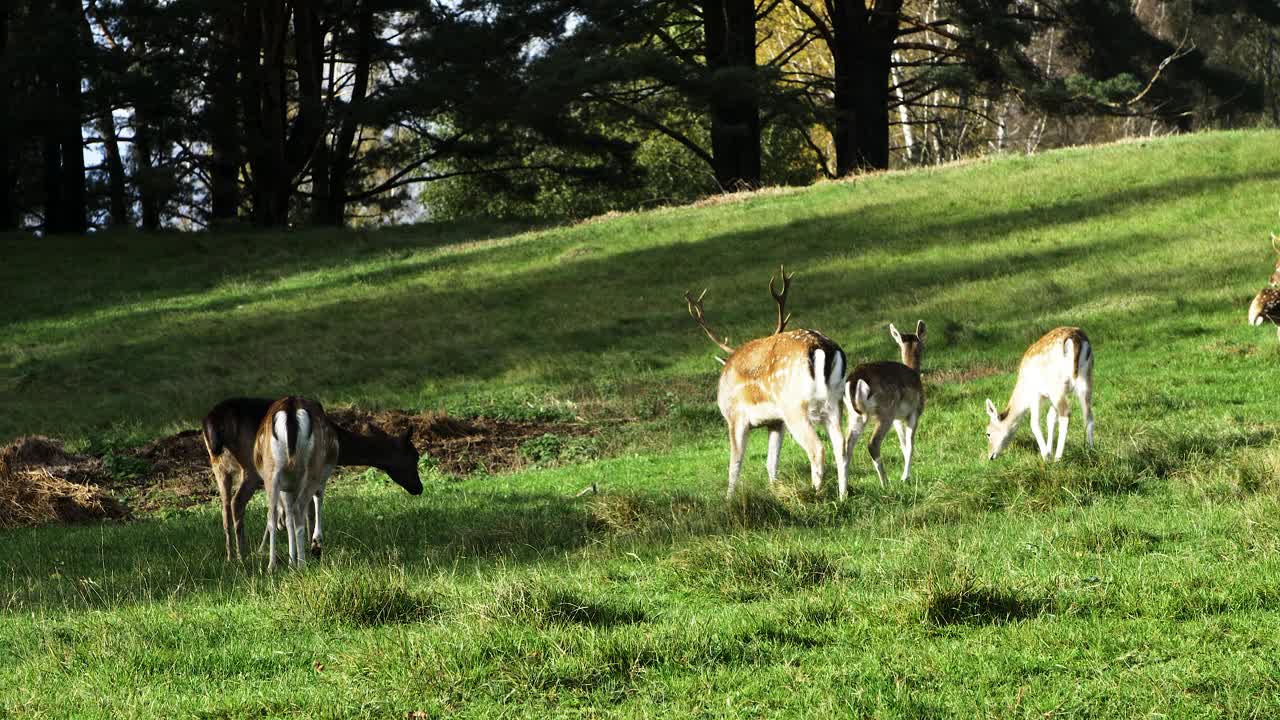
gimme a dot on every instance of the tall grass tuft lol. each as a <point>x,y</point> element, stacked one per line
<point>741,570</point>
<point>361,596</point>
<point>958,598</point>
<point>530,601</point>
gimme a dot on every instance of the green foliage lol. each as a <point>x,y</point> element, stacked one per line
<point>550,448</point>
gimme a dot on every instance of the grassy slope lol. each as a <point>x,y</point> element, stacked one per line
<point>1139,579</point>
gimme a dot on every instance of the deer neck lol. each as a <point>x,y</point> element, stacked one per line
<point>911,358</point>
<point>357,449</point>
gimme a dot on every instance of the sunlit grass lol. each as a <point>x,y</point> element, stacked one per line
<point>1140,578</point>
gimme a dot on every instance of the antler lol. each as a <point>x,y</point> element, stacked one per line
<point>781,298</point>
<point>695,312</point>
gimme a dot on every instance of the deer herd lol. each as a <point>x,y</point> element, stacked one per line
<point>797,380</point>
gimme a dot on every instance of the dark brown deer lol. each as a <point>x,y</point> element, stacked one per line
<point>892,393</point>
<point>789,379</point>
<point>230,430</point>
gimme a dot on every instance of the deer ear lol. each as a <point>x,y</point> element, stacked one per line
<point>1275,243</point>
<point>992,411</point>
<point>897,336</point>
<point>920,329</point>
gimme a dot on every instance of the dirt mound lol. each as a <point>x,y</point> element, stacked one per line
<point>41,482</point>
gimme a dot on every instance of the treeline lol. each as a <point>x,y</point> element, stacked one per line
<point>201,113</point>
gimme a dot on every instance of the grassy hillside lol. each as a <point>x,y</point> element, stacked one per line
<point>1138,579</point>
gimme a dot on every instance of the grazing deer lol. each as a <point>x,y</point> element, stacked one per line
<point>1053,367</point>
<point>891,392</point>
<point>230,431</point>
<point>787,379</point>
<point>1266,306</point>
<point>295,453</point>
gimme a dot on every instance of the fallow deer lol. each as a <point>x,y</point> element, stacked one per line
<point>892,393</point>
<point>1266,306</point>
<point>295,453</point>
<point>789,379</point>
<point>1053,367</point>
<point>230,430</point>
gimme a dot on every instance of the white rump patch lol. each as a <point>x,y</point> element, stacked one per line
<point>819,361</point>
<point>280,448</point>
<point>837,371</point>
<point>280,439</point>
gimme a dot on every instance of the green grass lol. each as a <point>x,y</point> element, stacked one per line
<point>1141,579</point>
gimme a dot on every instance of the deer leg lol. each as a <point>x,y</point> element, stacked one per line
<point>802,430</point>
<point>1063,408</point>
<point>857,423</point>
<point>836,437</point>
<point>737,449</point>
<point>222,478</point>
<point>1084,392</point>
<point>900,429</point>
<point>273,504</point>
<point>316,534</point>
<point>1050,421</point>
<point>250,481</point>
<point>775,449</point>
<point>301,503</point>
<point>1034,419</point>
<point>873,447</point>
<point>908,439</point>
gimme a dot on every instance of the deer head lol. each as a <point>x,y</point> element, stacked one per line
<point>911,344</point>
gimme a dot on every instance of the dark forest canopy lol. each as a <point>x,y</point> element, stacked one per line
<point>201,113</point>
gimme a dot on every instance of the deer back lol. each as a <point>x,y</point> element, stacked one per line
<point>893,388</point>
<point>300,444</point>
<point>1054,358</point>
<point>767,369</point>
<point>1265,307</point>
<point>231,427</point>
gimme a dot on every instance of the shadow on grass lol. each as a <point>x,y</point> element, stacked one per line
<point>492,341</point>
<point>960,599</point>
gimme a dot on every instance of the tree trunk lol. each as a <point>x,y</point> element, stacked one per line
<point>263,87</point>
<point>730,27</point>
<point>8,171</point>
<point>106,124</point>
<point>70,130</point>
<point>120,216</point>
<point>863,55</point>
<point>335,210</point>
<point>54,210</point>
<point>224,134</point>
<point>144,173</point>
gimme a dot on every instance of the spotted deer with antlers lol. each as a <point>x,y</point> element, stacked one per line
<point>789,379</point>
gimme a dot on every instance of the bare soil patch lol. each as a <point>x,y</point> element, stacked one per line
<point>960,375</point>
<point>40,482</point>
